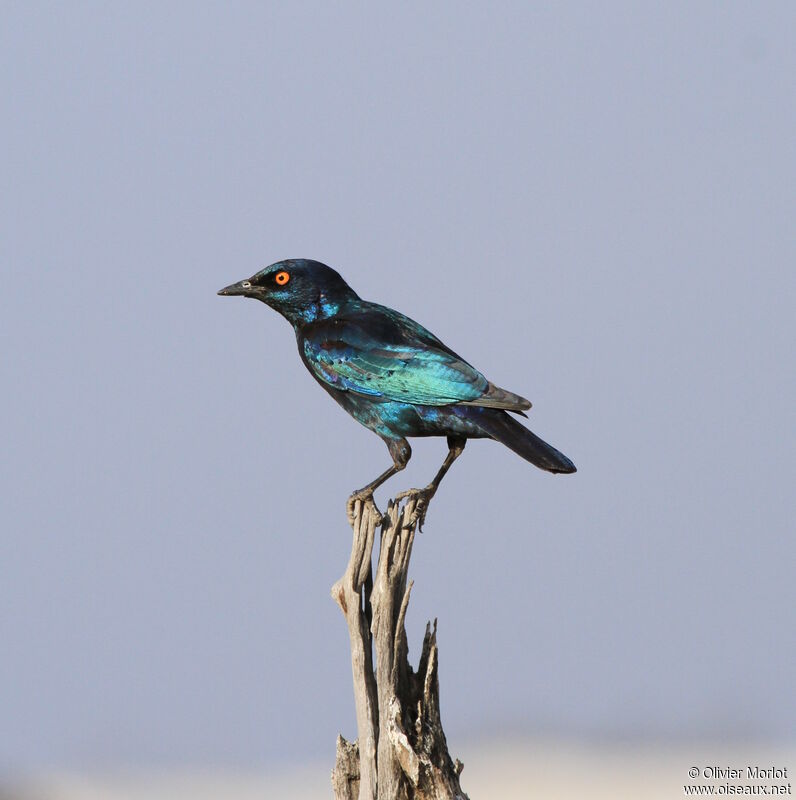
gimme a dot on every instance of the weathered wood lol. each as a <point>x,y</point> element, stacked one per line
<point>345,776</point>
<point>405,754</point>
<point>351,594</point>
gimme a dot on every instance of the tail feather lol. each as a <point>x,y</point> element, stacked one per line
<point>506,430</point>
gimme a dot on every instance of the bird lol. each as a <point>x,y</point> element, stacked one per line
<point>391,374</point>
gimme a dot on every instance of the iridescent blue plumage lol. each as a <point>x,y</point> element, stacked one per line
<point>367,350</point>
<point>389,372</point>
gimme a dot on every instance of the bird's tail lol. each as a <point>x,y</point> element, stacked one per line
<point>505,429</point>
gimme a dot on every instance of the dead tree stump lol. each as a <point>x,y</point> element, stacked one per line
<point>401,752</point>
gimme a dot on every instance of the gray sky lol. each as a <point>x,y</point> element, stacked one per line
<point>592,203</point>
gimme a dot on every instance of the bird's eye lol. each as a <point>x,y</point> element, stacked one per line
<point>282,277</point>
<point>246,284</point>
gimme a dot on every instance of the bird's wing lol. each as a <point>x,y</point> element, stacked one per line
<point>378,352</point>
<point>495,397</point>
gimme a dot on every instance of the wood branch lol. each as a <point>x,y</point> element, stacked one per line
<point>401,752</point>
<point>350,594</point>
<point>345,776</point>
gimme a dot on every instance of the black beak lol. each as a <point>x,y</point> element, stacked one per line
<point>243,288</point>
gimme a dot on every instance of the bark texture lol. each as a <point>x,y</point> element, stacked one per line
<point>401,752</point>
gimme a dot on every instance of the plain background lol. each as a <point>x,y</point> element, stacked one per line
<point>592,203</point>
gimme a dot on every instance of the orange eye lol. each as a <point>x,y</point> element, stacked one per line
<point>282,278</point>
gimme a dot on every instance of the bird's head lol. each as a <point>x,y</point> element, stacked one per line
<point>299,289</point>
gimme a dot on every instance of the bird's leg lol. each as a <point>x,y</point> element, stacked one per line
<point>455,449</point>
<point>401,452</point>
<point>365,494</point>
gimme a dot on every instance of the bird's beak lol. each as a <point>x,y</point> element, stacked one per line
<point>240,288</point>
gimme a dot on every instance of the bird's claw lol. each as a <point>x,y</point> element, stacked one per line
<point>363,496</point>
<point>350,508</point>
<point>422,498</point>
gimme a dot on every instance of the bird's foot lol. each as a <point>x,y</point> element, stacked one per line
<point>421,498</point>
<point>362,496</point>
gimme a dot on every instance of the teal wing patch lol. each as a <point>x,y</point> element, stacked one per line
<point>378,358</point>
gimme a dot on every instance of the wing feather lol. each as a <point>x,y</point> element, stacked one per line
<point>379,353</point>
